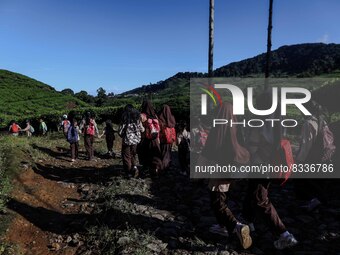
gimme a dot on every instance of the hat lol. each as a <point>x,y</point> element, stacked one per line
<point>65,116</point>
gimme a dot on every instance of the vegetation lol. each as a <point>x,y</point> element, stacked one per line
<point>12,152</point>
<point>22,97</point>
<point>302,60</point>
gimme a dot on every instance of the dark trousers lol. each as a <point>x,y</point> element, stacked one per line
<point>109,142</point>
<point>183,159</point>
<point>129,156</point>
<point>166,150</point>
<point>88,141</point>
<point>74,150</point>
<point>222,213</point>
<point>257,201</point>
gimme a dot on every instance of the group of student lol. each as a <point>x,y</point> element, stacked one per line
<point>143,132</point>
<point>15,128</point>
<point>259,148</point>
<point>151,135</point>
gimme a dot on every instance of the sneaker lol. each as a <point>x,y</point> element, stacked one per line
<point>285,242</point>
<point>183,173</point>
<point>251,227</point>
<point>243,233</point>
<point>136,172</point>
<point>73,160</point>
<point>217,229</point>
<point>311,205</point>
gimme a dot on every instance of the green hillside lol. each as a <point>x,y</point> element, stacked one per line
<point>21,97</point>
<point>301,60</point>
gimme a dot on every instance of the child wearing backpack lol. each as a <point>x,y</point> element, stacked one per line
<point>42,127</point>
<point>28,129</point>
<point>183,143</point>
<point>222,147</point>
<point>14,128</point>
<point>262,145</point>
<point>89,129</point>
<point>109,133</point>
<point>316,146</point>
<point>149,151</point>
<point>130,131</point>
<point>65,124</point>
<point>73,138</point>
<point>167,135</point>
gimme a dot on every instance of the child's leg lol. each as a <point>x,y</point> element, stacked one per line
<point>223,214</point>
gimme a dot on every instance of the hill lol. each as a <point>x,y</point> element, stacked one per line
<point>22,96</point>
<point>300,60</point>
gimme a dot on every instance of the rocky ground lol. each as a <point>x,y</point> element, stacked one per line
<point>92,208</point>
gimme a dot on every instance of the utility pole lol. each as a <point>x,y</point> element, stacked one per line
<point>269,39</point>
<point>211,39</point>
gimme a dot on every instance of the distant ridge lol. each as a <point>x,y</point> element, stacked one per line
<point>300,60</point>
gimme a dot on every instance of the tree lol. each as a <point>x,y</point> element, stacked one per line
<point>111,94</point>
<point>101,97</point>
<point>68,92</point>
<point>84,96</point>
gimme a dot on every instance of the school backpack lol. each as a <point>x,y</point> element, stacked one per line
<point>131,134</point>
<point>203,136</point>
<point>168,135</point>
<point>323,148</point>
<point>44,127</point>
<point>284,156</point>
<point>31,129</point>
<point>15,128</point>
<point>66,125</point>
<point>90,129</point>
<point>152,129</point>
<point>72,135</point>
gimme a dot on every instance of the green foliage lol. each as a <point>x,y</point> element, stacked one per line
<point>67,92</point>
<point>328,95</point>
<point>22,97</point>
<point>302,60</point>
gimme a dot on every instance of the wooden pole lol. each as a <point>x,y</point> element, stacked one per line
<point>269,39</point>
<point>211,39</point>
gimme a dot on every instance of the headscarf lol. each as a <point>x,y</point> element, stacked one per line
<point>224,138</point>
<point>130,115</point>
<point>166,117</point>
<point>147,108</point>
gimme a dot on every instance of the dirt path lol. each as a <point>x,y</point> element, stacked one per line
<point>47,203</point>
<point>55,201</point>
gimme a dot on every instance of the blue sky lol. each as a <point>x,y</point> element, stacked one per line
<point>119,45</point>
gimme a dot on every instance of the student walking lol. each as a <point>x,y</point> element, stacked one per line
<point>167,135</point>
<point>149,151</point>
<point>42,127</point>
<point>28,129</point>
<point>262,146</point>
<point>89,129</point>
<point>316,147</point>
<point>14,128</point>
<point>223,138</point>
<point>73,138</point>
<point>109,133</point>
<point>130,130</point>
<point>183,143</point>
<point>65,124</point>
